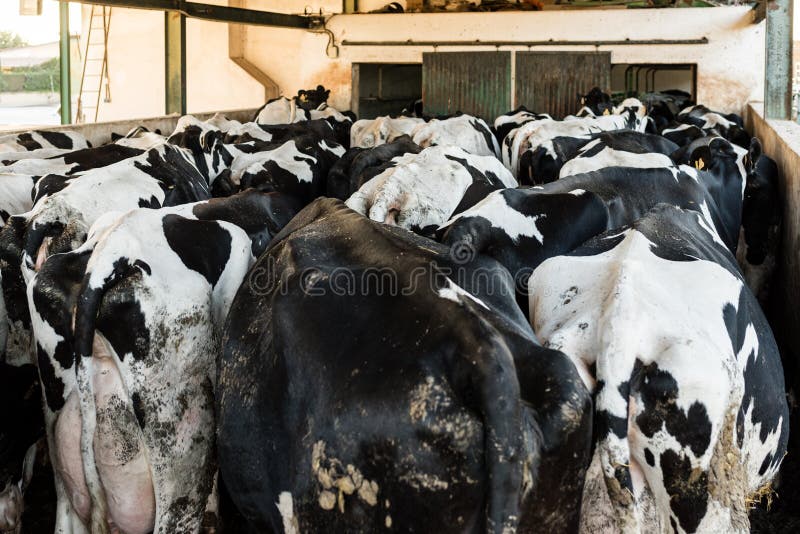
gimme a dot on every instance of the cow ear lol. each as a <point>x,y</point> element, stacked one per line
<point>701,158</point>
<point>755,151</point>
<point>207,139</point>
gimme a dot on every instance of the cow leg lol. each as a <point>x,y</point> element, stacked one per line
<point>179,433</point>
<point>683,437</point>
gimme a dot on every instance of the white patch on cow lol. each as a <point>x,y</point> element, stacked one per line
<point>15,193</point>
<point>422,189</point>
<point>286,509</point>
<point>496,210</point>
<point>608,157</point>
<point>708,224</point>
<point>337,150</point>
<point>455,293</point>
<point>577,192</point>
<point>465,131</point>
<point>252,129</point>
<point>368,133</point>
<point>532,135</point>
<point>287,156</point>
<point>678,128</point>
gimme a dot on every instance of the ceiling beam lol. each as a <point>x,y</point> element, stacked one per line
<point>211,12</point>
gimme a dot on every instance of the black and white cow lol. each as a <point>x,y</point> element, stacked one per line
<point>362,389</point>
<point>730,126</point>
<point>74,162</point>
<point>622,148</point>
<point>523,227</point>
<point>507,122</point>
<point>469,133</point>
<point>163,176</point>
<point>530,136</point>
<point>682,134</point>
<point>690,410</point>
<point>35,140</point>
<point>129,385</point>
<point>421,191</point>
<point>588,152</point>
<point>359,165</point>
<point>297,167</point>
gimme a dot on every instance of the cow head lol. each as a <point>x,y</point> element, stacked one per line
<point>635,113</point>
<point>21,427</point>
<point>597,101</point>
<point>761,209</point>
<point>309,99</point>
<point>206,142</point>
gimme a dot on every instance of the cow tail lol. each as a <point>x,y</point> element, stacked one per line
<point>504,443</point>
<point>87,308</point>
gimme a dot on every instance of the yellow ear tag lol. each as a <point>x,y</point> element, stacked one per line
<point>606,112</point>
<point>699,164</point>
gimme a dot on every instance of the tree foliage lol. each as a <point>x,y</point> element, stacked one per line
<point>9,39</point>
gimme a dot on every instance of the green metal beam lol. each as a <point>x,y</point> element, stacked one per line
<point>778,69</point>
<point>64,56</point>
<point>175,62</point>
<point>212,12</point>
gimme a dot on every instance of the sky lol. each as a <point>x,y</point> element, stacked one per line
<point>41,29</point>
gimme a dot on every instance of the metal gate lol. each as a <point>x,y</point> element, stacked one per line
<point>478,83</point>
<point>549,82</point>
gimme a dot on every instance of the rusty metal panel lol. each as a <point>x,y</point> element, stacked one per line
<point>478,83</point>
<point>549,82</point>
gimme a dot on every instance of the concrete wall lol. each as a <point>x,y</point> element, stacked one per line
<point>730,67</point>
<point>136,67</point>
<point>781,142</point>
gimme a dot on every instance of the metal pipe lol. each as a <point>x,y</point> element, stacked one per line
<point>213,12</point>
<point>175,62</point>
<point>64,53</point>
<point>411,42</point>
<point>778,68</point>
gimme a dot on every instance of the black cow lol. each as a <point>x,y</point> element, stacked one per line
<point>362,389</point>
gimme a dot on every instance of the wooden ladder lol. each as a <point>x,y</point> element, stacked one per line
<point>94,73</point>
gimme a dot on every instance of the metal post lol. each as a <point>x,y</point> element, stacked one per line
<point>778,69</point>
<point>175,62</point>
<point>64,56</point>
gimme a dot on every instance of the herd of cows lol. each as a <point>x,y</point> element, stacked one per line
<point>308,323</point>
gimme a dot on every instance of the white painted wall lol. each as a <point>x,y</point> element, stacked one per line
<point>730,67</point>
